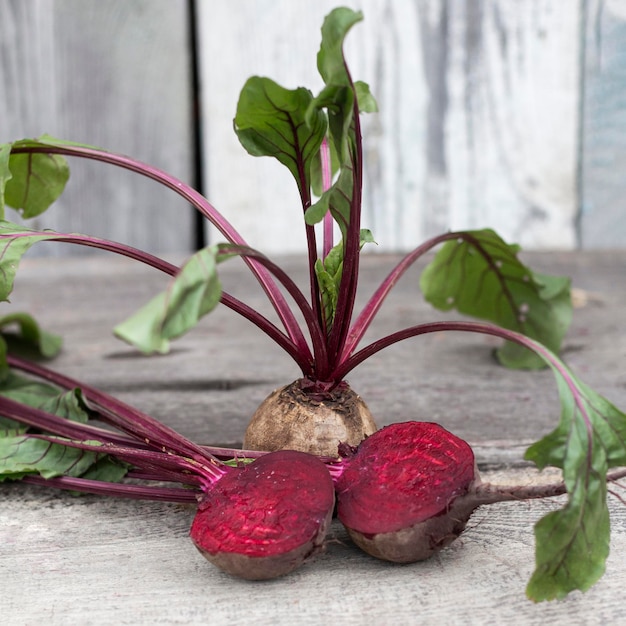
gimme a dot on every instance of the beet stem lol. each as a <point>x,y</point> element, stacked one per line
<point>134,492</point>
<point>125,417</point>
<point>488,493</point>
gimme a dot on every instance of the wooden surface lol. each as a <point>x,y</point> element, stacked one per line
<point>603,217</point>
<point>110,74</point>
<point>95,560</point>
<point>478,124</point>
<point>493,113</point>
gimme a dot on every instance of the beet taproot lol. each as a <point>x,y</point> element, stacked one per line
<point>264,519</point>
<point>297,417</point>
<point>401,492</point>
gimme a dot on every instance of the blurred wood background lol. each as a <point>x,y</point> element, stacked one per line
<point>493,113</point>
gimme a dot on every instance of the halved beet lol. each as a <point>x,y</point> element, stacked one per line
<point>265,519</point>
<point>400,493</point>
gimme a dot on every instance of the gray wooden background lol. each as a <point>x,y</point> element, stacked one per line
<point>508,114</point>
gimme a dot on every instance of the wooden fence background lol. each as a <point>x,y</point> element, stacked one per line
<point>508,114</point>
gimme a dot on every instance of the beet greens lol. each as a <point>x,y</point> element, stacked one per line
<point>46,430</point>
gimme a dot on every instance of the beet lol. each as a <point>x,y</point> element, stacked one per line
<point>265,519</point>
<point>400,493</point>
<point>295,417</point>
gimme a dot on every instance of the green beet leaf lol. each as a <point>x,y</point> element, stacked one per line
<point>10,427</point>
<point>194,292</point>
<point>5,173</point>
<point>31,182</point>
<point>480,275</point>
<point>337,199</point>
<point>29,334</point>
<point>23,455</point>
<point>338,98</point>
<point>35,180</point>
<point>330,60</point>
<point>41,395</point>
<point>572,543</point>
<point>21,449</point>
<point>270,121</point>
<point>328,274</point>
<point>15,241</point>
<point>339,101</point>
<point>47,140</point>
<point>367,104</point>
<point>29,340</point>
<point>364,97</point>
<point>106,469</point>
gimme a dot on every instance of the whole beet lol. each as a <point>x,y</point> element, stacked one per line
<point>296,417</point>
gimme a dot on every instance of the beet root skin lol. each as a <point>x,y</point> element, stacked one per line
<point>406,491</point>
<point>420,541</point>
<point>265,519</point>
<point>297,418</point>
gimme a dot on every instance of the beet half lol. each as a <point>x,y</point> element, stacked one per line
<point>263,520</point>
<point>401,493</point>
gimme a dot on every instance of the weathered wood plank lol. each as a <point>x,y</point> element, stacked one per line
<point>514,118</point>
<point>113,74</point>
<point>101,561</point>
<point>217,375</point>
<point>478,124</point>
<point>95,560</point>
<point>603,220</point>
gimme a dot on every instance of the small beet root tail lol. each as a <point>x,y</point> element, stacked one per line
<point>345,450</point>
<point>405,493</point>
<point>267,518</point>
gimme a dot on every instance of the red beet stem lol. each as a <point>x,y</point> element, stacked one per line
<point>119,490</point>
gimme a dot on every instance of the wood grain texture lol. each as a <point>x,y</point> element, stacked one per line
<point>103,561</point>
<point>98,561</point>
<point>478,122</point>
<point>492,113</point>
<point>211,383</point>
<point>603,219</point>
<point>112,74</point>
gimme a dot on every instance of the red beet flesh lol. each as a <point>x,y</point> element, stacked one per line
<point>400,494</point>
<point>265,519</point>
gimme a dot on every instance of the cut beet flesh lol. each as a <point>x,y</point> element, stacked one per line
<point>402,475</point>
<point>265,519</point>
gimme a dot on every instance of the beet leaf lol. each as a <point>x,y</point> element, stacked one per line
<point>12,248</point>
<point>573,543</point>
<point>68,404</point>
<point>478,274</point>
<point>270,121</point>
<point>343,100</point>
<point>5,173</point>
<point>24,454</point>
<point>20,333</point>
<point>23,332</point>
<point>329,272</point>
<point>106,469</point>
<point>30,183</point>
<point>194,292</point>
